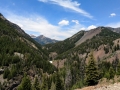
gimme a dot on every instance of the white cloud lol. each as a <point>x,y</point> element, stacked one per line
<point>69,4</point>
<point>112,14</point>
<point>75,21</point>
<point>91,27</point>
<point>63,22</point>
<point>40,26</point>
<point>114,25</point>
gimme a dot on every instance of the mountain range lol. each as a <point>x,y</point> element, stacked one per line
<point>81,60</point>
<point>43,40</point>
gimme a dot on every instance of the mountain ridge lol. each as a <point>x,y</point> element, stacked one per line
<point>23,59</point>
<point>20,55</point>
<point>44,40</point>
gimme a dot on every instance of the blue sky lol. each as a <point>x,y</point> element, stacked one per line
<point>60,19</point>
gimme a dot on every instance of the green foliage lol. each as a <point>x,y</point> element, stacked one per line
<point>53,86</point>
<point>111,72</point>
<point>25,84</point>
<point>78,84</point>
<point>15,59</point>
<point>105,37</point>
<point>65,45</point>
<point>59,83</point>
<point>44,84</point>
<point>36,85</point>
<point>107,75</point>
<point>13,72</point>
<point>106,49</point>
<point>118,69</point>
<point>92,75</point>
<point>6,73</point>
<point>13,40</point>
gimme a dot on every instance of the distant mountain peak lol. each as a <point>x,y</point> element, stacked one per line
<point>42,36</point>
<point>44,40</point>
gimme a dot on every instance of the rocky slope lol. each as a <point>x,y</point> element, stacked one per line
<point>89,35</point>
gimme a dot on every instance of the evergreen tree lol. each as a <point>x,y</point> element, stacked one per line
<point>118,69</point>
<point>53,86</point>
<point>6,73</point>
<point>111,72</point>
<point>92,75</point>
<point>25,84</point>
<point>44,84</point>
<point>36,85</point>
<point>59,84</point>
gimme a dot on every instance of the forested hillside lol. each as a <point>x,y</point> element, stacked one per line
<point>19,55</point>
<point>24,64</point>
<point>85,65</point>
<point>63,46</point>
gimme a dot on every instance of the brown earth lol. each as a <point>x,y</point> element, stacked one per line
<point>88,35</point>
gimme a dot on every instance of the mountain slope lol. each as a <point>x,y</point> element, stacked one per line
<point>105,49</point>
<point>63,46</point>
<point>24,63</point>
<point>105,37</point>
<point>88,35</point>
<point>19,54</point>
<point>44,40</point>
<point>76,40</point>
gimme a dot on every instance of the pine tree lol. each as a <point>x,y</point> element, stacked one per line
<point>6,73</point>
<point>118,69</point>
<point>53,87</point>
<point>44,84</point>
<point>36,85</point>
<point>111,72</point>
<point>25,84</point>
<point>59,84</point>
<point>92,75</point>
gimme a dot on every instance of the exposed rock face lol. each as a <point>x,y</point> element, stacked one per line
<point>89,35</point>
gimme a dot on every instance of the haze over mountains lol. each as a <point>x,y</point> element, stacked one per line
<point>80,60</point>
